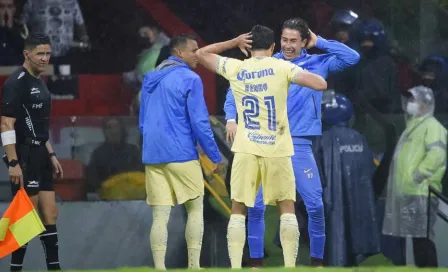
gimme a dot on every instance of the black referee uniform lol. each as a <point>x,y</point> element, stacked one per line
<point>27,99</point>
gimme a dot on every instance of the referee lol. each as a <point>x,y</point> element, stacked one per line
<point>32,164</point>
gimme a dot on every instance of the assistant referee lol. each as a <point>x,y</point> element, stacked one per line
<point>32,164</point>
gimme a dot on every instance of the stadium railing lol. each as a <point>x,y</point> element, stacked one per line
<point>437,225</point>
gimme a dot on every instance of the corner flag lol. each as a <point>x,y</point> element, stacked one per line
<point>19,224</point>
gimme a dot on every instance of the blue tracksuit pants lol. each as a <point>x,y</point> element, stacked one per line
<point>310,189</point>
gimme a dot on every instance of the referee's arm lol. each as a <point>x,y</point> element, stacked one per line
<point>57,168</point>
<point>10,110</point>
<point>9,137</point>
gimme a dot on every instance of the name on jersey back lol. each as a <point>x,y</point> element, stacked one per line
<point>252,109</point>
<point>244,75</point>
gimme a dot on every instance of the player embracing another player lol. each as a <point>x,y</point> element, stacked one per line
<point>263,145</point>
<point>304,116</point>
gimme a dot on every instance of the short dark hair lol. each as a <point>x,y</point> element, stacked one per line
<point>180,40</point>
<point>298,24</point>
<point>36,39</point>
<point>262,37</point>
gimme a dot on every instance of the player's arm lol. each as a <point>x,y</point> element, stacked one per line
<point>229,106</point>
<point>230,110</point>
<point>199,118</point>
<point>144,95</point>
<point>340,55</point>
<point>310,80</point>
<point>304,78</point>
<point>209,56</point>
<point>10,111</point>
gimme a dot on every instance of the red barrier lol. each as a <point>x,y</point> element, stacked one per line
<point>99,95</point>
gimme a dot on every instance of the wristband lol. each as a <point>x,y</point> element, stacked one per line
<point>13,163</point>
<point>231,120</point>
<point>8,137</point>
<point>52,154</point>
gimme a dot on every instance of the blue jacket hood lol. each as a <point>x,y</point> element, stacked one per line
<point>152,79</point>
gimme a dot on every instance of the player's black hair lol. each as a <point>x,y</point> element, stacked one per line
<point>262,37</point>
<point>36,39</point>
<point>298,24</point>
<point>180,40</point>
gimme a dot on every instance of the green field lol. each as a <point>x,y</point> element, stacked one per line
<point>304,269</point>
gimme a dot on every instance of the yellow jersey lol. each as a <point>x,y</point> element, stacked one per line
<point>260,87</point>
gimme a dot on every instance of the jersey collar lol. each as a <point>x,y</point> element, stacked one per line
<point>302,55</point>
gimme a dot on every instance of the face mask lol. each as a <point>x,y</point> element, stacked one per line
<point>367,51</point>
<point>427,82</point>
<point>412,108</point>
<point>145,41</point>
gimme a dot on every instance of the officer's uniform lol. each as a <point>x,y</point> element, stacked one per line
<point>27,99</point>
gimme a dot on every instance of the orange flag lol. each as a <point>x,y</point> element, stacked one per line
<point>19,224</point>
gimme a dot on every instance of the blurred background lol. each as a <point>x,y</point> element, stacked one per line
<point>103,48</point>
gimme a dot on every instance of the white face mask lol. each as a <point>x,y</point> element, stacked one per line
<point>413,108</point>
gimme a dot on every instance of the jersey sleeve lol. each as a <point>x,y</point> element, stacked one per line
<point>11,100</point>
<point>292,71</point>
<point>228,67</point>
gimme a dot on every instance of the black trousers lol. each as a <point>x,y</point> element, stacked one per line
<point>425,253</point>
<point>424,250</point>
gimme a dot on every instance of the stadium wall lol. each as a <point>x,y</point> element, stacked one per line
<point>109,235</point>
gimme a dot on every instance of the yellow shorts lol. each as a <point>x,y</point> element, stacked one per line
<point>171,183</point>
<point>250,171</point>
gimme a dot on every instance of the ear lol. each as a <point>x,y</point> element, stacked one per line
<point>272,48</point>
<point>304,43</point>
<point>25,54</point>
<point>179,52</point>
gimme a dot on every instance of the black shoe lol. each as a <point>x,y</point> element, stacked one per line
<point>316,262</point>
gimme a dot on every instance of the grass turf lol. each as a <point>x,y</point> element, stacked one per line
<point>275,258</point>
<point>275,254</point>
<point>279,269</point>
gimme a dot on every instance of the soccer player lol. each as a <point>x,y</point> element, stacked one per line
<point>32,164</point>
<point>305,122</point>
<point>173,118</point>
<point>263,145</point>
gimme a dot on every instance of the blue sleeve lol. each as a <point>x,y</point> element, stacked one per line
<point>341,56</point>
<point>200,124</point>
<point>229,105</point>
<point>277,55</point>
<point>143,100</point>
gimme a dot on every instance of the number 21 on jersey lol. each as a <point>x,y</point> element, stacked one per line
<point>252,112</point>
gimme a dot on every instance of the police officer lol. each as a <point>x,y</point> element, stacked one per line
<point>32,164</point>
<point>347,165</point>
